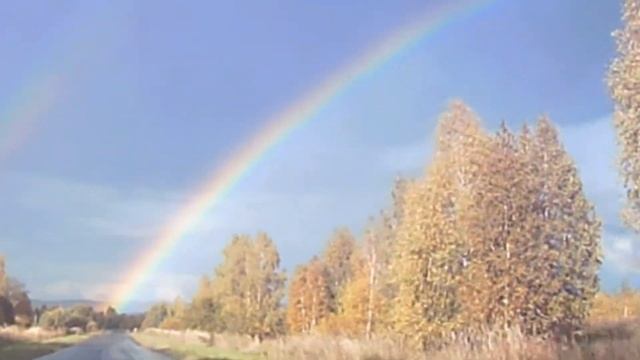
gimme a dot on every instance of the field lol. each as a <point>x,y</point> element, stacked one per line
<point>23,349</point>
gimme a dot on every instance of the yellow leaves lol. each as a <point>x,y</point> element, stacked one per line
<point>309,297</point>
<point>615,307</point>
<point>247,286</point>
<point>430,239</point>
<point>337,259</point>
<point>624,83</point>
<point>498,233</point>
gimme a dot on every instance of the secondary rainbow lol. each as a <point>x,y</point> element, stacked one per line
<point>47,83</point>
<point>276,128</point>
<point>18,120</point>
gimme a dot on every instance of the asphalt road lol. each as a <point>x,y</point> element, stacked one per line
<point>112,346</point>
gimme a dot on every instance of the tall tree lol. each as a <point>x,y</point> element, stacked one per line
<point>624,82</point>
<point>309,297</point>
<point>491,219</point>
<point>155,316</point>
<point>204,311</point>
<point>337,258</point>
<point>569,230</point>
<point>364,301</point>
<point>266,317</point>
<point>431,244</point>
<point>230,285</point>
<point>248,286</point>
<point>22,308</point>
<point>176,319</point>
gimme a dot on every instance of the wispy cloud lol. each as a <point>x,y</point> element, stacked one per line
<point>623,253</point>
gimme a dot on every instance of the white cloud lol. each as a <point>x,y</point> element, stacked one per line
<point>623,253</point>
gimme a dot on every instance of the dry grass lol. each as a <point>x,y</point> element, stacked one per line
<point>335,348</point>
<point>17,344</point>
<point>193,345</point>
<point>611,341</point>
<point>30,334</point>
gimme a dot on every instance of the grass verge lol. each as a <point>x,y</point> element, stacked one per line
<point>180,349</point>
<point>16,349</point>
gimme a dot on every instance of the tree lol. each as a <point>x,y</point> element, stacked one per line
<point>248,286</point>
<point>19,297</point>
<point>78,316</point>
<point>337,258</point>
<point>7,315</point>
<point>624,83</point>
<point>23,310</point>
<point>499,233</point>
<point>363,302</point>
<point>155,316</point>
<point>493,219</point>
<point>204,311</point>
<point>53,318</point>
<point>535,252</point>
<point>230,285</point>
<point>309,297</point>
<point>268,288</point>
<point>431,244</point>
<point>175,320</point>
<point>111,319</point>
<point>569,231</point>
<point>15,289</point>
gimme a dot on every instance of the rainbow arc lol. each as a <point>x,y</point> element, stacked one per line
<point>278,127</point>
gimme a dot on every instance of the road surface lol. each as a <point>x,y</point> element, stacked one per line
<point>111,346</point>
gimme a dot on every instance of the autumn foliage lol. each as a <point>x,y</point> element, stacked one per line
<point>624,83</point>
<point>495,237</point>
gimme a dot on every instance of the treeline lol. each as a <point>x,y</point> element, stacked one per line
<point>84,318</point>
<point>16,309</point>
<point>615,307</point>
<point>497,234</point>
<point>15,305</point>
<point>243,296</point>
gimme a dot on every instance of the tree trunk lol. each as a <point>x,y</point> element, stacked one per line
<point>372,280</point>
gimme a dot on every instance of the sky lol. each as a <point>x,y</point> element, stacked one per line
<point>113,112</point>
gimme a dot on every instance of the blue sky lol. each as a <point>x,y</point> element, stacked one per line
<point>153,95</point>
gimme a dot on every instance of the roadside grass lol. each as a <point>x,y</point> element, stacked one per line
<point>179,348</point>
<point>619,340</point>
<point>20,349</point>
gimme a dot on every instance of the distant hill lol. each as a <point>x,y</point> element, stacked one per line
<point>64,303</point>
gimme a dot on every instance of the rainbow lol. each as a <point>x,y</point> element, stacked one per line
<point>276,128</point>
<point>48,80</point>
<point>21,115</point>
